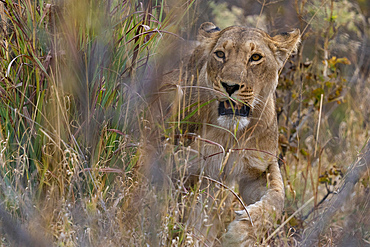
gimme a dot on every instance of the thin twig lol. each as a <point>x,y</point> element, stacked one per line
<point>287,220</point>
<point>228,188</point>
<point>318,204</point>
<point>318,125</point>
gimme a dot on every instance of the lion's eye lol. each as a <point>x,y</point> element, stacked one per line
<point>220,54</point>
<point>256,57</point>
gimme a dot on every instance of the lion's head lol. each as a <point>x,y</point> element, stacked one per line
<point>241,65</point>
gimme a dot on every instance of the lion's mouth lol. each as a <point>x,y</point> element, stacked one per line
<point>231,108</point>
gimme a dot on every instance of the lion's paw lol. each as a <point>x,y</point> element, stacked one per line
<point>239,234</point>
<point>241,231</point>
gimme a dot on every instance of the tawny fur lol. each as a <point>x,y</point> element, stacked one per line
<point>252,163</point>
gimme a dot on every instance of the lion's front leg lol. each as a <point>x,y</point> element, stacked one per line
<point>263,213</point>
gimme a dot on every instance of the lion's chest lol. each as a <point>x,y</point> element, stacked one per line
<point>232,163</point>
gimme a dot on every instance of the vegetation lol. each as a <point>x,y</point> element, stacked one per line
<point>75,85</point>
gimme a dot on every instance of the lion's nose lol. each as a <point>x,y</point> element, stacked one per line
<point>230,89</point>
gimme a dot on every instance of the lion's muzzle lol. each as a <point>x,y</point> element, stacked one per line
<point>229,107</point>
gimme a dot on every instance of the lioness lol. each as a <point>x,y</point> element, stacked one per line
<point>227,87</point>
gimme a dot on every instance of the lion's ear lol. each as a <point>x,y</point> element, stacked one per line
<point>207,30</point>
<point>285,44</point>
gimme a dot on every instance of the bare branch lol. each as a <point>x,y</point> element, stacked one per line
<point>312,233</point>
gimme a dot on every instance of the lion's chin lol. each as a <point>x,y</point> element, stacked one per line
<point>233,123</point>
